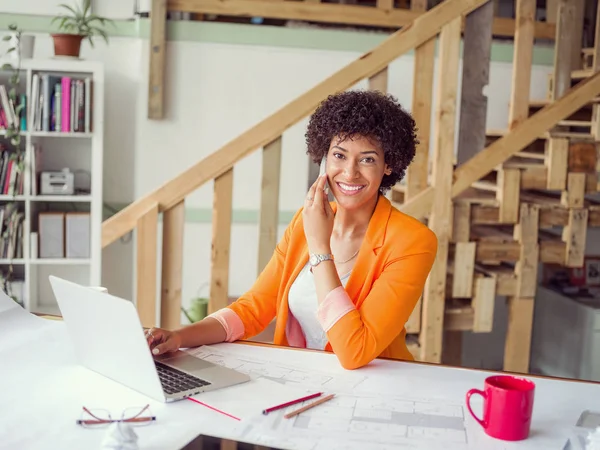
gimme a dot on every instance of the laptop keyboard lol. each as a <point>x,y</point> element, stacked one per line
<point>174,380</point>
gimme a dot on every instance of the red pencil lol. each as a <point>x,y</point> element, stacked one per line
<point>293,402</point>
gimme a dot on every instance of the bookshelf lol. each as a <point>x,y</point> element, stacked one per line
<point>53,233</point>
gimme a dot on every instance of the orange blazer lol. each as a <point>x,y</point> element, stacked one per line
<point>386,282</point>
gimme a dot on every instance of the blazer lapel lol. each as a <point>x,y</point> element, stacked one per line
<point>374,239</point>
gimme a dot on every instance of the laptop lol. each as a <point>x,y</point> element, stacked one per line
<point>108,338</point>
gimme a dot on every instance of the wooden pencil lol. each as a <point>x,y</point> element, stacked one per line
<point>309,406</point>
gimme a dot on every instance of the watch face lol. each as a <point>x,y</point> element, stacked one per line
<point>313,260</point>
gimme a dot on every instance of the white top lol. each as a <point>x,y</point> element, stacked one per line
<point>303,303</point>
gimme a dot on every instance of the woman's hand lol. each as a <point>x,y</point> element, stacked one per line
<point>163,341</point>
<point>318,217</point>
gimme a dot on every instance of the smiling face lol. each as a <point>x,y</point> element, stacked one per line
<point>355,168</point>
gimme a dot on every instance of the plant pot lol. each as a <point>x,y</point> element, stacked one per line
<point>67,44</point>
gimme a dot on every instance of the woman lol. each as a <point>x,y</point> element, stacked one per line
<point>346,276</point>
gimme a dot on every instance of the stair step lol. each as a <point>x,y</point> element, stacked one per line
<point>531,155</point>
<point>485,186</point>
<point>574,123</point>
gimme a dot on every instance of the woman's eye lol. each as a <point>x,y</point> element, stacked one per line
<point>369,160</point>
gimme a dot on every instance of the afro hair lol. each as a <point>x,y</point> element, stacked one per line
<point>371,114</point>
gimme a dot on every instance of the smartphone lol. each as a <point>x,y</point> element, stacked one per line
<point>322,172</point>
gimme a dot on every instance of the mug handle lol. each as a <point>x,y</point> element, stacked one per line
<point>469,394</point>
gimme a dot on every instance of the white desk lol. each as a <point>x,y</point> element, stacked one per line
<point>43,391</point>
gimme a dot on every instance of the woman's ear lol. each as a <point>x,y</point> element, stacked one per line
<point>388,170</point>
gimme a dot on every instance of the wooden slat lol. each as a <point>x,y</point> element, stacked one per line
<point>561,79</point>
<point>518,339</point>
<point>172,267</point>
<point>596,50</point>
<point>574,235</point>
<point>461,222</point>
<point>146,246</point>
<point>509,181</point>
<point>527,231</point>
<point>475,76</point>
<point>577,30</point>
<point>522,61</point>
<point>422,98</point>
<point>221,238</point>
<point>385,4</point>
<point>440,220</point>
<point>269,202</point>
<point>379,81</point>
<point>333,13</point>
<point>574,196</point>
<point>425,27</point>
<point>156,85</point>
<point>551,11</point>
<point>502,149</point>
<point>463,273</point>
<point>483,304</point>
<point>556,163</point>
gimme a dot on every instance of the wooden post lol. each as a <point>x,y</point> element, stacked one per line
<point>269,202</point>
<point>565,35</point>
<point>520,307</point>
<point>146,244</point>
<point>596,53</point>
<point>158,31</point>
<point>379,81</point>
<point>221,228</point>
<point>475,76</point>
<point>172,266</point>
<point>418,171</point>
<point>522,61</point>
<point>440,220</point>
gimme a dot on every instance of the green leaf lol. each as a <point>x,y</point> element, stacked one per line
<point>6,38</point>
<point>12,93</point>
<point>12,27</point>
<point>7,66</point>
<point>19,108</point>
<point>10,50</point>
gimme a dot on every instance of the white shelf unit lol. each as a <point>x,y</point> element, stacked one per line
<point>82,153</point>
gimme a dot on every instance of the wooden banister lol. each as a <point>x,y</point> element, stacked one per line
<point>425,27</point>
<point>146,244</point>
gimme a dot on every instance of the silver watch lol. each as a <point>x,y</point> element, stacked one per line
<point>315,258</point>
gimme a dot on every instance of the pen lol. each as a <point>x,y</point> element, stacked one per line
<point>307,407</point>
<point>293,402</point>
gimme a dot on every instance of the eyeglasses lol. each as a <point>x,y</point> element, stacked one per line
<point>98,418</point>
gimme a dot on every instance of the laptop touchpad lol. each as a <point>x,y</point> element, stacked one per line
<point>187,363</point>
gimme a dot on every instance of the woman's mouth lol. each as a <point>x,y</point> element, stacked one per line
<point>350,189</point>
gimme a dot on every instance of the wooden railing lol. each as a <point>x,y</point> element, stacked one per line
<point>142,215</point>
<point>169,199</point>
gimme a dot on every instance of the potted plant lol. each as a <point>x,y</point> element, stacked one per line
<point>78,23</point>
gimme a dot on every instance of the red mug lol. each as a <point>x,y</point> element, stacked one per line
<point>507,407</point>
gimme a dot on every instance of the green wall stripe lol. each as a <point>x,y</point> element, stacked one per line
<point>204,215</point>
<point>246,34</point>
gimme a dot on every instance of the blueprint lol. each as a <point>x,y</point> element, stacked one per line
<point>350,420</point>
<point>284,373</point>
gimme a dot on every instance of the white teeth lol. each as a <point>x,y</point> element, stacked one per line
<point>350,188</point>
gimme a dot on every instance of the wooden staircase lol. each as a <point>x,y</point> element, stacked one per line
<point>492,214</point>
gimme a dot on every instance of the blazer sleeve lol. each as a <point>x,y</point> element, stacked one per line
<point>250,314</point>
<point>357,336</point>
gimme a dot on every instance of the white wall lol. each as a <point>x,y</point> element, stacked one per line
<point>215,92</point>
<point>113,9</point>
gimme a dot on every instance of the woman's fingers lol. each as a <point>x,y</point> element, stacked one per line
<point>165,347</point>
<point>310,196</point>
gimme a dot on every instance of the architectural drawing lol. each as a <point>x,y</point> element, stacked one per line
<point>351,422</point>
<point>279,372</point>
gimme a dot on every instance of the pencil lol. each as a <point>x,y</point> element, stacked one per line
<point>309,406</point>
<point>293,402</point>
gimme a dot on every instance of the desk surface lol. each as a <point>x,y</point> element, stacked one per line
<point>386,405</point>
